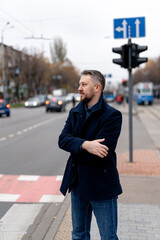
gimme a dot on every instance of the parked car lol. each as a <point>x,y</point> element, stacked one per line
<point>55,104</point>
<point>33,102</point>
<point>4,108</point>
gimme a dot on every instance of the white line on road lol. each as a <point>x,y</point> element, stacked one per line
<point>11,136</point>
<point>19,133</point>
<point>8,198</point>
<point>16,221</point>
<point>25,130</point>
<point>51,198</point>
<point>3,139</point>
<point>59,178</point>
<point>28,178</point>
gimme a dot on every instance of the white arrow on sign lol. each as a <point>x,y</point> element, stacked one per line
<point>124,28</point>
<point>137,22</point>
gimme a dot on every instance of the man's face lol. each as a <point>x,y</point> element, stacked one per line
<point>86,88</point>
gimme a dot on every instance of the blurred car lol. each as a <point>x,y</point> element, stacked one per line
<point>55,104</point>
<point>33,102</point>
<point>42,98</point>
<point>4,108</point>
<point>69,97</point>
<point>77,97</point>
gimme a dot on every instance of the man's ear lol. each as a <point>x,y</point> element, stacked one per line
<point>97,88</point>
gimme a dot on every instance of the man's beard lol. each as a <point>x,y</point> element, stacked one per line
<point>87,99</point>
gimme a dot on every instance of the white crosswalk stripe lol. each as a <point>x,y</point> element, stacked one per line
<point>16,221</point>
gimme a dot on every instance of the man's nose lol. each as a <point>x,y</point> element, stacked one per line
<point>79,88</point>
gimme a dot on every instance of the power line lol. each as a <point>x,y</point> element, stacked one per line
<point>17,21</point>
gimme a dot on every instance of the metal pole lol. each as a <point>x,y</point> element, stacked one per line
<point>130,103</point>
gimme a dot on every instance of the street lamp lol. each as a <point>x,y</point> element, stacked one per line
<point>3,61</point>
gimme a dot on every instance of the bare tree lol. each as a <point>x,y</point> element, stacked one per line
<point>58,51</point>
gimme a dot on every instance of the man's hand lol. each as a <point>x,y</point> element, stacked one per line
<point>95,147</point>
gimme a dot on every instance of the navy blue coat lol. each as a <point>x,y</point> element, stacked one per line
<point>98,178</point>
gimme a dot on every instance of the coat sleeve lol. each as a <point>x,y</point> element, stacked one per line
<point>66,139</point>
<point>110,130</point>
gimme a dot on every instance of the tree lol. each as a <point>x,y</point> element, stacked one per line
<point>58,51</point>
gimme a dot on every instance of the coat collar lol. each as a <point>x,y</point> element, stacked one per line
<point>80,108</point>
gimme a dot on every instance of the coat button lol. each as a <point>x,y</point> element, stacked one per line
<point>105,170</point>
<point>73,164</point>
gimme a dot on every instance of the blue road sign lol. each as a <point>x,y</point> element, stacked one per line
<point>129,27</point>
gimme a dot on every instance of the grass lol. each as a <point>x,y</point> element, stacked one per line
<point>15,105</point>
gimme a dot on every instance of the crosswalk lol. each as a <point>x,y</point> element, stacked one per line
<point>30,189</point>
<point>28,193</point>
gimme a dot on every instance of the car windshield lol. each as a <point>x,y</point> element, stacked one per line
<point>33,99</point>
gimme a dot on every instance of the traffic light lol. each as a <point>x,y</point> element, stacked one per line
<point>123,51</point>
<point>135,51</point>
<point>124,82</point>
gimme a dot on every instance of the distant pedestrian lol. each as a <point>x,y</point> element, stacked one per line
<point>90,135</point>
<point>73,101</point>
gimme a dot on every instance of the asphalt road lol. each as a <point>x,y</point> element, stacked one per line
<point>28,142</point>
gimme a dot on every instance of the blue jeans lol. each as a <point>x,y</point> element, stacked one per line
<point>104,211</point>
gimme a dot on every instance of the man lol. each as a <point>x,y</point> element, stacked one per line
<point>90,135</point>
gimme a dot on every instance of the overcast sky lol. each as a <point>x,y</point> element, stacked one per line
<point>85,26</point>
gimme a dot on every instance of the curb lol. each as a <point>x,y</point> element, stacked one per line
<point>53,228</point>
<point>48,221</point>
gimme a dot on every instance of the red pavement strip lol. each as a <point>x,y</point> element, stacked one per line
<point>145,163</point>
<point>21,188</point>
<point>29,190</point>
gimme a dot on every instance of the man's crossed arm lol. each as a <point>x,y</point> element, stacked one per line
<point>95,147</point>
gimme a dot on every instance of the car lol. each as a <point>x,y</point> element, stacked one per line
<point>4,108</point>
<point>77,97</point>
<point>69,97</point>
<point>42,98</point>
<point>55,104</point>
<point>33,102</point>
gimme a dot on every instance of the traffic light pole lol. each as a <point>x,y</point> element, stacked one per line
<point>130,100</point>
<point>130,59</point>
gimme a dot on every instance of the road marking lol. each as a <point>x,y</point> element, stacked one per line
<point>59,178</point>
<point>30,188</point>
<point>28,178</point>
<point>11,136</point>
<point>25,130</point>
<point>15,222</point>
<point>51,198</point>
<point>20,132</point>
<point>9,197</point>
<point>3,139</point>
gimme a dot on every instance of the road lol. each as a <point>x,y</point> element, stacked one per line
<point>32,164</point>
<point>28,142</point>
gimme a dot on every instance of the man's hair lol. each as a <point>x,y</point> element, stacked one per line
<point>96,75</point>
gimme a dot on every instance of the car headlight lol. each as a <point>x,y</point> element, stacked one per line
<point>26,104</point>
<point>60,102</point>
<point>35,104</point>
